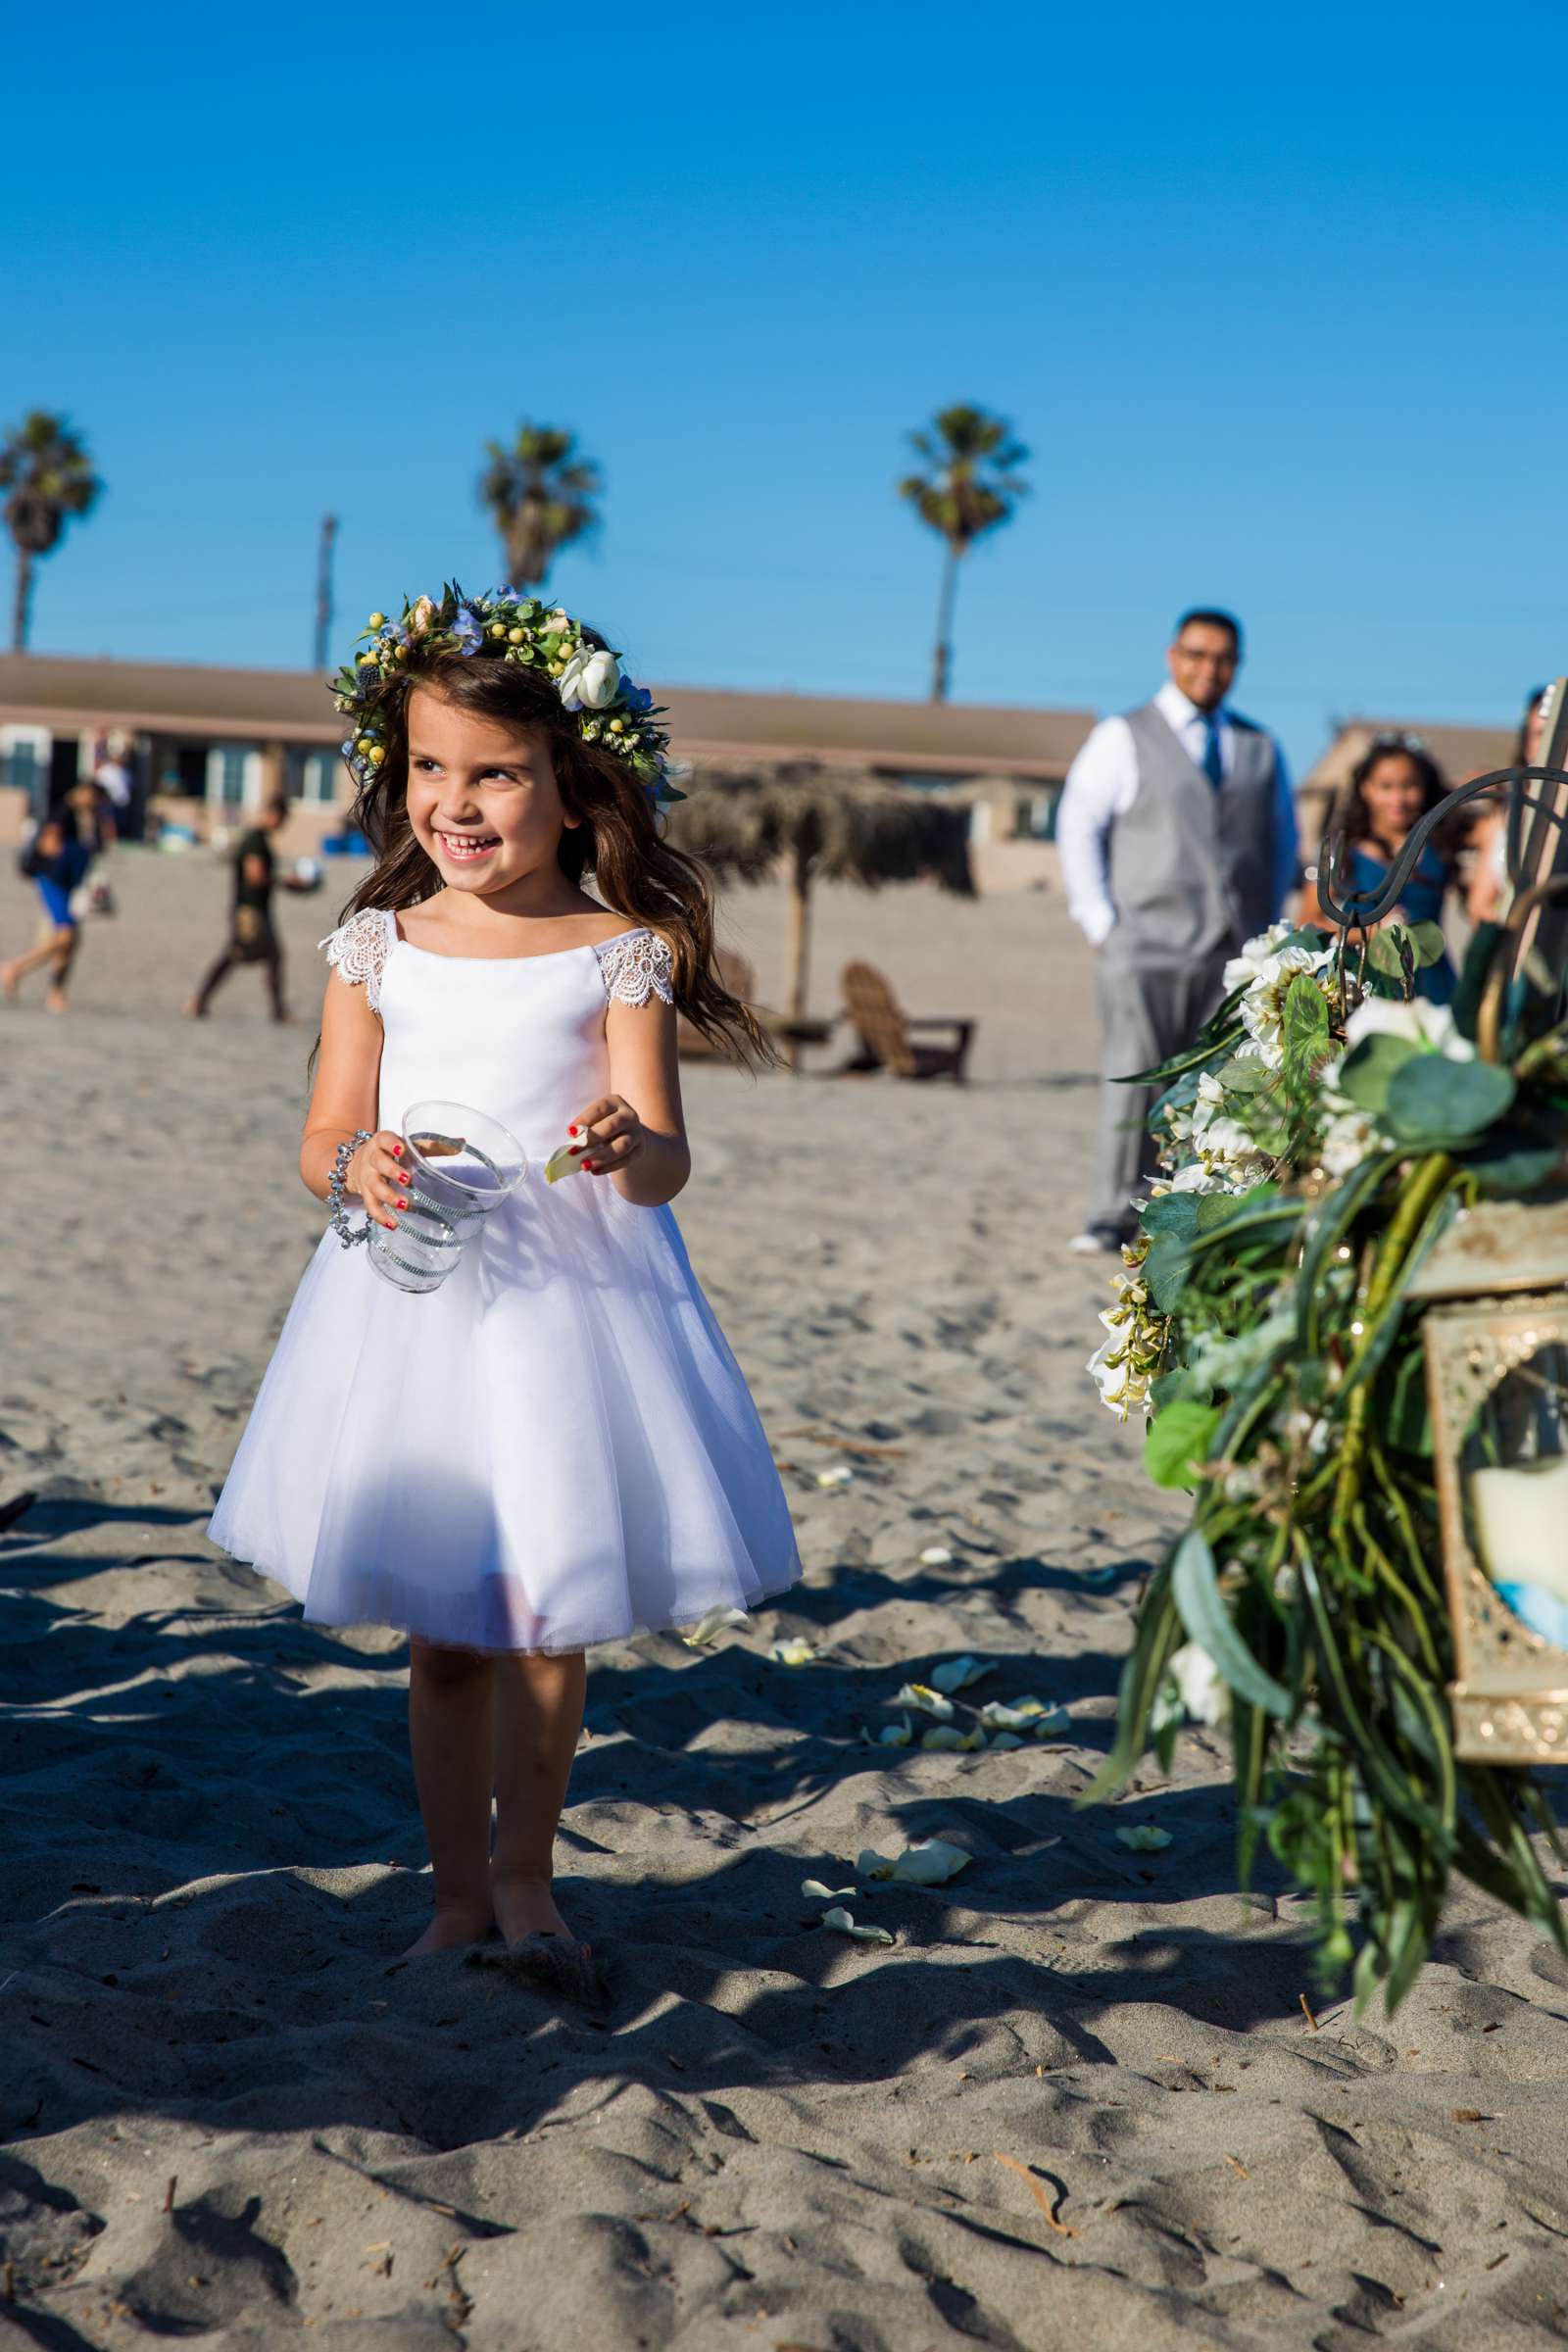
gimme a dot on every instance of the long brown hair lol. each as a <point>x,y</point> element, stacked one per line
<point>1446,838</point>
<point>617,841</point>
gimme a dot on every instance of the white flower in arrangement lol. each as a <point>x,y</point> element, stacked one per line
<point>1195,1178</point>
<point>1262,1007</point>
<point>1112,1371</point>
<point>590,680</point>
<point>420,618</point>
<point>1243,969</point>
<point>1205,1691</point>
<point>1418,1022</point>
<point>1347,1138</point>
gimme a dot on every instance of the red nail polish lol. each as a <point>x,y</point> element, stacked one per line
<point>402,1204</point>
<point>572,1129</point>
<point>397,1151</point>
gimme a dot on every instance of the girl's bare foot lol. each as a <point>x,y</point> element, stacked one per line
<point>57,1001</point>
<point>449,1931</point>
<point>8,982</point>
<point>525,1907</point>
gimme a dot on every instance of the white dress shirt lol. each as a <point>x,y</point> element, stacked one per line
<point>1103,785</point>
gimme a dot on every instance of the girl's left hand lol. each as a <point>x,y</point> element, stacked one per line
<point>608,1134</point>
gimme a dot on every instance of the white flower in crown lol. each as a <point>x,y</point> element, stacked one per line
<point>590,680</point>
<point>420,618</point>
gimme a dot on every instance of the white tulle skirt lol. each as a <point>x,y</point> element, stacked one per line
<point>554,1448</point>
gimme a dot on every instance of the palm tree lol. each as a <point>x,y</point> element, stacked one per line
<point>970,486</point>
<point>820,824</point>
<point>541,496</point>
<point>49,477</point>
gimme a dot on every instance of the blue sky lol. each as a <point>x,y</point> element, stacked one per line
<point>1273,296</point>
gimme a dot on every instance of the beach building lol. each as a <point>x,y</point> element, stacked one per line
<point>209,745</point>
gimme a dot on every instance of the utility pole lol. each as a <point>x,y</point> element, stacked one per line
<point>324,592</point>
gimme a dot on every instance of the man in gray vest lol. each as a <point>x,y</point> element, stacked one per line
<point>1177,833</point>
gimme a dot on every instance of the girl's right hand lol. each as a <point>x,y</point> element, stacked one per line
<point>377,1173</point>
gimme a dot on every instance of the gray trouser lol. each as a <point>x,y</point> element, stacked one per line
<point>1147,1013</point>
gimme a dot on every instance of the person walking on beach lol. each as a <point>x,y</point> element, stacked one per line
<point>252,938</point>
<point>56,862</point>
<point>1178,842</point>
<point>556,1447</point>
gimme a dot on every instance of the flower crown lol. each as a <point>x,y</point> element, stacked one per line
<point>506,627</point>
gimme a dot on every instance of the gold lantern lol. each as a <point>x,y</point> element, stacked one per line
<point>1496,1353</point>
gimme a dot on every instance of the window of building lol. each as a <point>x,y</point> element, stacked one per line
<point>229,770</point>
<point>21,766</point>
<point>314,777</point>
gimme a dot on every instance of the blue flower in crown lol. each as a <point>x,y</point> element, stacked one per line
<point>467,631</point>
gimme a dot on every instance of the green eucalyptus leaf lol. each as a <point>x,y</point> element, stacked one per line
<point>1435,1101</point>
<point>1165,1270</point>
<point>1195,1588</point>
<point>1428,942</point>
<point>1245,1077</point>
<point>1170,1212</point>
<point>1370,1068</point>
<point>1178,1438</point>
<point>1521,1155</point>
<point>1388,951</point>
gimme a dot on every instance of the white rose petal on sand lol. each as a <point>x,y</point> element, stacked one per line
<point>716,1621</point>
<point>921,1696</point>
<point>957,1674</point>
<point>843,1924</point>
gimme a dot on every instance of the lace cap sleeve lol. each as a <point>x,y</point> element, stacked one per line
<point>636,966</point>
<point>358,951</point>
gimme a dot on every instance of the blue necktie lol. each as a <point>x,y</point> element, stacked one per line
<point>1213,766</point>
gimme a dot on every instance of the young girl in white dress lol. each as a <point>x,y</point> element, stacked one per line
<point>555,1448</point>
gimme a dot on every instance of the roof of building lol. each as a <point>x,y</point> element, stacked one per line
<point>1461,751</point>
<point>66,691</point>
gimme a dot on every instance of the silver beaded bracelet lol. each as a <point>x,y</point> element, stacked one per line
<point>346,1233</point>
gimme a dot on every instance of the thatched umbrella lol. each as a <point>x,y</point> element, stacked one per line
<point>820,823</point>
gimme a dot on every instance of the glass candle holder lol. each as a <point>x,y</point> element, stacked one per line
<point>462,1164</point>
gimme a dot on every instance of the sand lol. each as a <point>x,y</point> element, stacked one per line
<point>232,2112</point>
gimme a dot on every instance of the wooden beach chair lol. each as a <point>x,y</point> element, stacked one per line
<point>883,1029</point>
<point>740,981</point>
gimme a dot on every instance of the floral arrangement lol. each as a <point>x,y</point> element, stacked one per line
<point>1315,1141</point>
<point>506,627</point>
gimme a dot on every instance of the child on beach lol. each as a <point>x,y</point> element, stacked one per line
<point>56,862</point>
<point>555,1448</point>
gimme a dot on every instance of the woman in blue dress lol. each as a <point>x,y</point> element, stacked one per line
<point>1392,786</point>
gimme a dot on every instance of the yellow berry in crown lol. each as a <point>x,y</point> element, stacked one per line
<point>377,621</point>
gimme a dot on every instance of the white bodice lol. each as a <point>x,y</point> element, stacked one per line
<point>520,1037</point>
